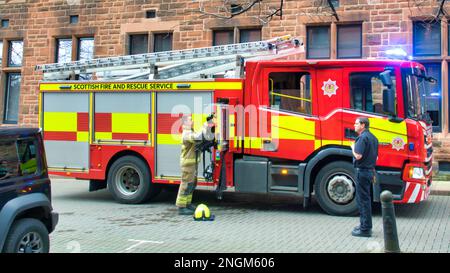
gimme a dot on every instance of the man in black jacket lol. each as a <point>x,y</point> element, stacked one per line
<point>365,153</point>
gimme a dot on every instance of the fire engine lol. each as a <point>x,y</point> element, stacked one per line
<point>283,126</point>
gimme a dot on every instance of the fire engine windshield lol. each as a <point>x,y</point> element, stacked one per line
<point>416,84</point>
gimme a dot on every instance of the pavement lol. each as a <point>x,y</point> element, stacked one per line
<point>92,222</point>
<point>440,188</point>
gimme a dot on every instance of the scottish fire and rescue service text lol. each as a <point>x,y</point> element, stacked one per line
<point>186,263</point>
<point>122,86</point>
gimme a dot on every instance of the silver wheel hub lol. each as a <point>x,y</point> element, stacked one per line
<point>31,243</point>
<point>341,189</point>
<point>128,180</point>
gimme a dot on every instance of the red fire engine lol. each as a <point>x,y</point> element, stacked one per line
<point>282,126</point>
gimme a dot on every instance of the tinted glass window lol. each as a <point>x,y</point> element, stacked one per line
<point>11,112</point>
<point>163,42</point>
<point>64,54</point>
<point>138,44</point>
<point>318,46</point>
<point>367,92</point>
<point>27,156</point>
<point>249,35</point>
<point>427,39</point>
<point>9,162</point>
<point>349,42</point>
<point>223,37</point>
<point>290,91</point>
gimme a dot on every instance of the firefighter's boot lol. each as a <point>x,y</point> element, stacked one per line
<point>185,211</point>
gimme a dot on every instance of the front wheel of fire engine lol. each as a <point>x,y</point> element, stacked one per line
<point>129,181</point>
<point>335,189</point>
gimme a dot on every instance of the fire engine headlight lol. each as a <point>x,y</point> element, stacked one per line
<point>417,173</point>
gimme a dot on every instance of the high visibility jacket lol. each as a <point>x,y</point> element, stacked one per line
<point>189,141</point>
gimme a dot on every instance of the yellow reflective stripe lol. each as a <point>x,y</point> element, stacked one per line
<point>40,110</point>
<point>281,128</point>
<point>253,142</point>
<point>168,139</point>
<point>130,123</point>
<point>117,86</point>
<point>102,135</point>
<point>60,122</point>
<point>83,136</point>
<point>91,113</point>
<point>386,131</point>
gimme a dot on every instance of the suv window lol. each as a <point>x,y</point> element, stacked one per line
<point>367,92</point>
<point>17,158</point>
<point>290,91</point>
<point>9,161</point>
<point>27,156</point>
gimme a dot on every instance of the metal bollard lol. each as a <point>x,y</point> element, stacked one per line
<point>389,225</point>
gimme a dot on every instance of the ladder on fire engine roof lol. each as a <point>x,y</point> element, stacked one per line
<point>177,64</point>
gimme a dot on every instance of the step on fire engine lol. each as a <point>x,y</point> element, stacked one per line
<point>283,126</point>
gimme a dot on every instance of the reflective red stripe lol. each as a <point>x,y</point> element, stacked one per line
<point>103,122</point>
<point>68,136</point>
<point>82,122</point>
<point>166,121</point>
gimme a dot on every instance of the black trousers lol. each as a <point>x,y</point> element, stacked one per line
<point>364,179</point>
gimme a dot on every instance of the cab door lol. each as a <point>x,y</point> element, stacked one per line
<point>331,90</point>
<point>287,124</point>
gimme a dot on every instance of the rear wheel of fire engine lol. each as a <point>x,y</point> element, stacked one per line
<point>335,189</point>
<point>129,181</point>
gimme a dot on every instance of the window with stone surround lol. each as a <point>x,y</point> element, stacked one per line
<point>15,53</point>
<point>83,47</point>
<point>162,42</point>
<point>11,98</point>
<point>11,57</point>
<point>318,42</point>
<point>153,42</point>
<point>426,39</point>
<point>244,35</point>
<point>349,41</point>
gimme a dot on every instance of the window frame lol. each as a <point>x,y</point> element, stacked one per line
<point>360,41</point>
<point>308,28</point>
<point>10,43</point>
<point>267,96</point>
<point>6,98</point>
<point>414,33</point>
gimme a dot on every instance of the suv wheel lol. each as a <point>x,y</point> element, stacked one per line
<point>27,236</point>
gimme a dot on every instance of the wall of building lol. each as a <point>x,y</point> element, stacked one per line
<point>385,23</point>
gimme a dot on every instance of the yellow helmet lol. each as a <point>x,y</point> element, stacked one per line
<point>202,213</point>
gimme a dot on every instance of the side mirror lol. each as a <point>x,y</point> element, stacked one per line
<point>386,78</point>
<point>389,101</point>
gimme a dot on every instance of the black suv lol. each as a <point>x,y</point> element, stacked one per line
<point>26,213</point>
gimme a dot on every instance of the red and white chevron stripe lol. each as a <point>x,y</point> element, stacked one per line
<point>414,193</point>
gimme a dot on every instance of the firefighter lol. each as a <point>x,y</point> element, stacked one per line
<point>365,153</point>
<point>189,159</point>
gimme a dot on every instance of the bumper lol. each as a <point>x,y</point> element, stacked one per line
<point>402,191</point>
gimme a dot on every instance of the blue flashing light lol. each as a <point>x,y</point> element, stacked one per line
<point>411,146</point>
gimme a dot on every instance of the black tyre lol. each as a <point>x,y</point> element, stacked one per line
<point>27,235</point>
<point>129,181</point>
<point>335,189</point>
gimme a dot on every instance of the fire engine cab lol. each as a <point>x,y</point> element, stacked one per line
<point>283,126</point>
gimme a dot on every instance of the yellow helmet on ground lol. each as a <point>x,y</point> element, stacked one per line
<point>202,213</point>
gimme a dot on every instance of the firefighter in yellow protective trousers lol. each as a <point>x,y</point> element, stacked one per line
<point>189,162</point>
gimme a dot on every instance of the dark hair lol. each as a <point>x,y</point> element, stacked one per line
<point>365,121</point>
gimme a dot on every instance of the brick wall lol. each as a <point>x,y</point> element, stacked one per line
<point>385,23</point>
